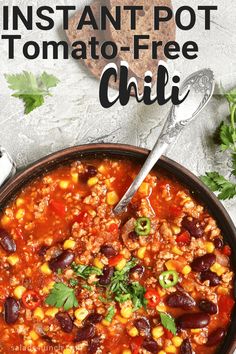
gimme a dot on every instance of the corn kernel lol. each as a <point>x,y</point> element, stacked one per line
<point>222,291</point>
<point>34,335</point>
<point>69,244</point>
<point>13,260</point>
<point>28,342</point>
<point>196,330</point>
<point>161,308</point>
<point>75,177</point>
<point>176,250</point>
<point>121,319</point>
<point>5,220</point>
<point>19,291</point>
<point>218,269</point>
<point>68,351</point>
<point>144,189</point>
<point>92,181</point>
<point>133,332</point>
<point>121,264</point>
<point>81,314</point>
<point>64,184</point>
<point>126,351</point>
<point>112,198</point>
<point>141,252</point>
<point>210,247</point>
<point>97,263</point>
<point>186,270</point>
<point>45,269</point>
<point>19,202</point>
<point>106,323</point>
<point>20,214</point>
<point>161,292</point>
<point>38,313</point>
<point>52,312</point>
<point>108,183</point>
<point>126,312</point>
<point>170,349</point>
<point>177,341</point>
<point>157,332</point>
<point>161,352</point>
<point>176,229</point>
<point>170,265</point>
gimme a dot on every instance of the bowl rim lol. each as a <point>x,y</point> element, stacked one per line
<point>187,178</point>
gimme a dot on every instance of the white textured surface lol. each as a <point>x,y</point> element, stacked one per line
<point>74,115</point>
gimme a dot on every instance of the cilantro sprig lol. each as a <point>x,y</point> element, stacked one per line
<point>110,314</point>
<point>225,188</point>
<point>31,89</point>
<point>62,296</point>
<point>122,290</point>
<point>84,271</point>
<point>168,322</point>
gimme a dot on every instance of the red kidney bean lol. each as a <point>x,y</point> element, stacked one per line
<point>133,236</point>
<point>108,251</point>
<point>42,251</point>
<point>85,333</point>
<point>193,320</point>
<point>150,345</point>
<point>93,318</point>
<point>216,337</point>
<point>213,278</point>
<point>93,345</point>
<point>208,307</point>
<point>203,263</point>
<point>180,299</point>
<point>143,325</point>
<point>218,242</point>
<point>65,321</point>
<point>186,347</point>
<point>108,272</point>
<point>11,310</point>
<point>62,261</point>
<point>7,242</point>
<point>137,269</point>
<point>193,227</point>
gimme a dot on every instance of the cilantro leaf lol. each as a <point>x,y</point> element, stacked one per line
<point>168,322</point>
<point>85,271</point>
<point>218,183</point>
<point>110,314</point>
<point>31,89</point>
<point>62,296</point>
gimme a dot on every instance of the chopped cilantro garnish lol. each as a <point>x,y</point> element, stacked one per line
<point>110,314</point>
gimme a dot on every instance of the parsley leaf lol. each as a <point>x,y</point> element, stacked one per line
<point>227,140</point>
<point>85,271</point>
<point>31,89</point>
<point>62,296</point>
<point>110,314</point>
<point>217,183</point>
<point>168,322</point>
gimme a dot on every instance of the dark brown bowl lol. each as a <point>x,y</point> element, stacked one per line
<point>130,152</point>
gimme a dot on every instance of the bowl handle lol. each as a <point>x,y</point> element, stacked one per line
<point>7,166</point>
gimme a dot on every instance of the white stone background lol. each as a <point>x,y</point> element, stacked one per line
<point>74,115</point>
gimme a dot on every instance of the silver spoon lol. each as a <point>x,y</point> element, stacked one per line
<point>201,85</point>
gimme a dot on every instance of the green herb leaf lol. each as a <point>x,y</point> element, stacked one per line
<point>31,89</point>
<point>62,296</point>
<point>168,322</point>
<point>110,314</point>
<point>217,183</point>
<point>73,282</point>
<point>87,287</point>
<point>84,271</point>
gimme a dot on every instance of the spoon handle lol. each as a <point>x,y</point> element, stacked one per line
<point>168,134</point>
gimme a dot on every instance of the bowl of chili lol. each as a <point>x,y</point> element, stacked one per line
<point>111,263</point>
